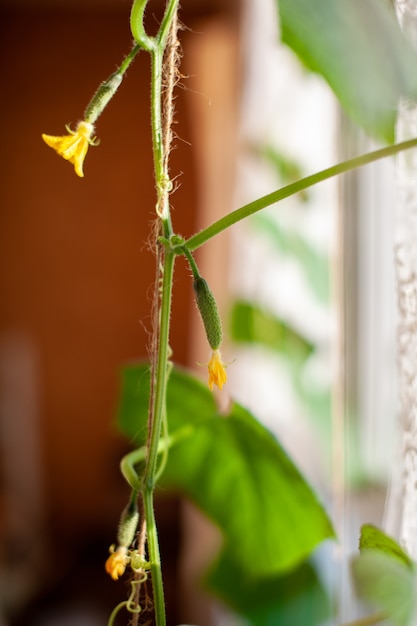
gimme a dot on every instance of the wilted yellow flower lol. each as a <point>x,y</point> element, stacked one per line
<point>117,562</point>
<point>216,370</point>
<point>73,147</point>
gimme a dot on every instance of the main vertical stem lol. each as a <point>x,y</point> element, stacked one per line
<point>154,428</point>
<point>155,422</point>
<point>162,312</point>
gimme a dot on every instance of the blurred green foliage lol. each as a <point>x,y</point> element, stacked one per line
<point>237,473</point>
<point>358,47</point>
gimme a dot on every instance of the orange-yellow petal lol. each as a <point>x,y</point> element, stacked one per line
<point>117,562</point>
<point>216,370</point>
<point>73,147</point>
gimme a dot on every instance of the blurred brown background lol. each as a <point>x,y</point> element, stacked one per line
<point>76,280</point>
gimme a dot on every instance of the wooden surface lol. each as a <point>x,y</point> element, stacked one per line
<point>76,272</point>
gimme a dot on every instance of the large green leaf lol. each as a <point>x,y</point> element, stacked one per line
<point>188,400</point>
<point>372,538</point>
<point>294,598</point>
<point>358,47</point>
<point>235,471</point>
<point>385,576</point>
<point>388,584</point>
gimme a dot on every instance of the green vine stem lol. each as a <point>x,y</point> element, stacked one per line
<point>108,88</point>
<point>115,612</point>
<point>137,27</point>
<point>160,374</point>
<point>134,458</point>
<point>129,604</point>
<point>128,59</point>
<point>228,220</point>
<point>193,265</point>
<point>156,46</point>
<point>161,114</point>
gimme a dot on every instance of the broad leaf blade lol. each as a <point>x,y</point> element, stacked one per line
<point>188,400</point>
<point>385,576</point>
<point>237,473</point>
<point>372,538</point>
<point>387,583</point>
<point>357,46</point>
<point>297,597</point>
<point>133,404</point>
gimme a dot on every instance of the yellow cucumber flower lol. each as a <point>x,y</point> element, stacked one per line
<point>73,147</point>
<point>117,562</point>
<point>216,370</point>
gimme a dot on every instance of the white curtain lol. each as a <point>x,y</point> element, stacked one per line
<point>402,506</point>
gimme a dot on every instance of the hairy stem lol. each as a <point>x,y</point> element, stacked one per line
<point>154,434</point>
<point>128,59</point>
<point>160,351</point>
<point>134,458</point>
<point>137,27</point>
<point>160,374</point>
